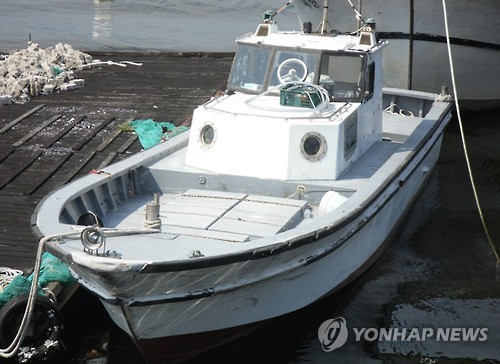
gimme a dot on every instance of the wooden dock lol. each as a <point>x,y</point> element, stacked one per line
<point>54,139</point>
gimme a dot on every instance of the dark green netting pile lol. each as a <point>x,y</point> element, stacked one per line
<point>153,132</point>
<point>51,270</point>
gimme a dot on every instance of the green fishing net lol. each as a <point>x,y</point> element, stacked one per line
<point>152,132</point>
<point>18,286</point>
<point>51,270</point>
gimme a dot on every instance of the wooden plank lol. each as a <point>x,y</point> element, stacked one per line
<point>5,154</point>
<point>47,173</point>
<point>113,136</point>
<point>63,131</point>
<point>23,164</point>
<point>127,144</point>
<point>78,169</point>
<point>22,117</point>
<point>107,161</point>
<point>108,141</point>
<point>35,131</point>
<point>94,131</point>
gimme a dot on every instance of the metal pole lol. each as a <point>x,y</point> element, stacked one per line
<point>324,22</point>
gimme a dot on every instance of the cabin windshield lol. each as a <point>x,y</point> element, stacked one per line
<point>255,69</point>
<point>258,69</point>
<point>249,68</point>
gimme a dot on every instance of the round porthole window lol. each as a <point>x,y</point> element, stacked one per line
<point>207,135</point>
<point>313,146</point>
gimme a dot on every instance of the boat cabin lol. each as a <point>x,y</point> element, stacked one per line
<point>298,106</point>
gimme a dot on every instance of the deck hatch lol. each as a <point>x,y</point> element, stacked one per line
<point>261,216</point>
<point>223,212</point>
<point>199,208</point>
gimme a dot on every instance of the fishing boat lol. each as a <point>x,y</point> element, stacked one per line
<point>287,187</point>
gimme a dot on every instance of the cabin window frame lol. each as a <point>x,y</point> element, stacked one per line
<point>369,84</point>
<point>239,69</point>
<point>359,87</point>
<point>274,52</point>
<point>362,88</point>
<point>313,153</point>
<point>207,140</point>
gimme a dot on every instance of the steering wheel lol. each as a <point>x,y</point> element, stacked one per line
<point>287,73</point>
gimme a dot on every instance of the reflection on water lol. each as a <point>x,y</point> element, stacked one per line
<point>103,15</point>
<point>134,25</point>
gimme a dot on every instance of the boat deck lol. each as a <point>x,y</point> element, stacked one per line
<point>217,215</point>
<point>196,219</point>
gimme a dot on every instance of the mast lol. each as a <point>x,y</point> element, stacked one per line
<point>324,21</point>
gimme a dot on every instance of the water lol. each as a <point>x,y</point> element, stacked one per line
<point>129,25</point>
<point>439,271</point>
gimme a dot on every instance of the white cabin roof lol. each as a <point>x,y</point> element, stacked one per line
<point>313,41</point>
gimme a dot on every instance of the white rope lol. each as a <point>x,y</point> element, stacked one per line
<point>152,224</point>
<point>358,14</point>
<point>7,275</point>
<point>457,106</point>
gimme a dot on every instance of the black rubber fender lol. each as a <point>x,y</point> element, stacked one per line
<point>46,322</point>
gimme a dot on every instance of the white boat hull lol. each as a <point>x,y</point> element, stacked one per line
<point>273,286</point>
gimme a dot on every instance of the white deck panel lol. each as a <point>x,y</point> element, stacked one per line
<point>258,212</point>
<point>256,229</point>
<point>202,233</point>
<point>195,212</point>
<point>277,201</point>
<point>398,124</point>
<point>189,220</point>
<point>199,208</point>
<point>216,195</point>
<point>261,216</point>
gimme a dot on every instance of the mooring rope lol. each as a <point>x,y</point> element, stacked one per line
<point>471,177</point>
